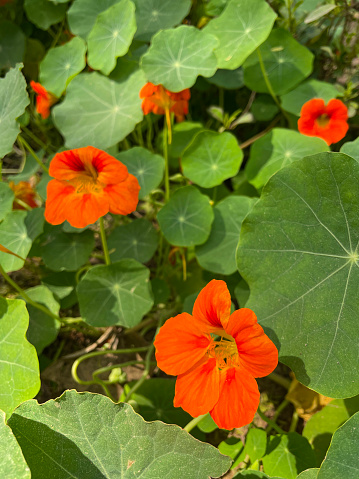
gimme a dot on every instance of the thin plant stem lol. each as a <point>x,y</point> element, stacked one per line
<point>39,306</point>
<point>270,422</point>
<point>104,242</point>
<point>284,382</point>
<point>35,138</point>
<point>280,408</point>
<point>33,154</point>
<point>192,424</point>
<point>149,132</point>
<point>290,17</point>
<point>165,154</point>
<point>293,424</point>
<point>169,126</point>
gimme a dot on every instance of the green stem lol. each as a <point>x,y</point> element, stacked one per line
<point>165,154</point>
<point>192,424</point>
<point>35,138</point>
<point>104,242</point>
<point>284,382</point>
<point>293,424</point>
<point>280,408</point>
<point>290,18</point>
<point>26,297</point>
<point>33,154</point>
<point>270,422</point>
<point>266,79</point>
<point>149,133</point>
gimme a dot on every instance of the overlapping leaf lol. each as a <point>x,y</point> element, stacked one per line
<point>6,199</point>
<point>83,13</point>
<point>12,461</point>
<point>13,234</point>
<point>43,13</point>
<point>298,252</point>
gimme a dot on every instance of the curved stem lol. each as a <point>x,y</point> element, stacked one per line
<point>33,154</point>
<point>270,422</point>
<point>165,154</point>
<point>104,242</point>
<point>192,424</point>
<point>280,408</point>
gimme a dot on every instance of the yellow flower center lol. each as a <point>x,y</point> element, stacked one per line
<point>323,120</point>
<point>225,352</point>
<point>86,182</point>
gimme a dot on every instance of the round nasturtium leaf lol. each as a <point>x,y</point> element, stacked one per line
<point>295,99</point>
<point>277,149</point>
<point>342,459</point>
<point>186,219</point>
<point>218,253</point>
<point>351,148</point>
<point>137,240</point>
<point>12,44</point>
<point>147,167</point>
<point>13,101</point>
<point>83,13</point>
<point>182,135</point>
<point>13,463</point>
<point>256,444</point>
<point>115,294</point>
<point>240,29</point>
<point>6,200</point>
<point>44,13</point>
<point>66,251</point>
<point>286,62</point>
<point>211,158</point>
<point>177,56</point>
<point>311,473</point>
<point>111,36</point>
<point>301,238</point>
<point>62,64</point>
<point>155,15</point>
<point>98,111</point>
<point>13,235</point>
<point>228,79</point>
<point>19,366</point>
<point>114,442</point>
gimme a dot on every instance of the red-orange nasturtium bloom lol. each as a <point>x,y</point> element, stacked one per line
<point>158,100</point>
<point>216,356</point>
<point>25,193</point>
<point>328,122</point>
<point>88,184</point>
<point>44,99</point>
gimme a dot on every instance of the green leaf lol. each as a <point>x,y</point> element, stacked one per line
<point>34,223</point>
<point>218,254</point>
<point>83,13</point>
<point>228,79</point>
<point>240,29</point>
<point>13,234</point>
<point>19,367</point>
<point>295,99</point>
<point>111,36</point>
<point>319,13</point>
<point>254,475</point>
<point>286,62</point>
<point>98,111</point>
<point>6,199</point>
<point>44,13</point>
<point>155,15</point>
<point>207,424</point>
<point>264,108</point>
<point>342,459</point>
<point>211,158</point>
<point>301,239</point>
<point>42,329</point>
<point>182,135</point>
<point>234,448</point>
<point>12,461</point>
<point>137,240</point>
<point>161,291</point>
<point>66,251</point>
<point>115,294</point>
<point>256,443</point>
<point>62,64</point>
<point>177,56</point>
<point>309,474</point>
<point>186,219</point>
<point>147,167</point>
<point>277,149</point>
<point>114,443</point>
<point>321,426</point>
<point>288,455</point>
<point>13,101</point>
<point>351,148</point>
<point>12,45</point>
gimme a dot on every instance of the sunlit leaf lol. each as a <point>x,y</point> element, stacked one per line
<point>13,234</point>
<point>6,199</point>
<point>351,148</point>
<point>309,474</point>
<point>256,443</point>
<point>12,460</point>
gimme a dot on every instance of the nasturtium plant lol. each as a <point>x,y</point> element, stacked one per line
<point>13,462</point>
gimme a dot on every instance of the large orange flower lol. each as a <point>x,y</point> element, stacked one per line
<point>44,99</point>
<point>159,100</point>
<point>216,356</point>
<point>89,183</point>
<point>328,122</point>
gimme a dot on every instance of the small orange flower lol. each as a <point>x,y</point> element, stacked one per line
<point>159,100</point>
<point>25,193</point>
<point>327,122</point>
<point>44,99</point>
<point>88,184</point>
<point>216,356</point>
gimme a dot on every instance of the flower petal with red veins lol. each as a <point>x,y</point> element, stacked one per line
<point>86,209</point>
<point>238,399</point>
<point>257,353</point>
<point>179,345</point>
<point>123,197</point>
<point>110,170</point>
<point>213,306</point>
<point>57,203</point>
<point>197,390</point>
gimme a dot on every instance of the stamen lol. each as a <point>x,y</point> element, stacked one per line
<point>225,352</point>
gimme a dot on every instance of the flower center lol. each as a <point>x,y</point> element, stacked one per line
<point>225,352</point>
<point>86,182</point>
<point>323,120</point>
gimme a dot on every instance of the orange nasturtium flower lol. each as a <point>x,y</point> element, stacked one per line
<point>24,193</point>
<point>88,184</point>
<point>328,122</point>
<point>44,99</point>
<point>216,356</point>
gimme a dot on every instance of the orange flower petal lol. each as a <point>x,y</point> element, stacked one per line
<point>148,90</point>
<point>257,353</point>
<point>123,197</point>
<point>197,390</point>
<point>238,399</point>
<point>86,209</point>
<point>213,306</point>
<point>179,345</point>
<point>56,206</point>
<point>337,110</point>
